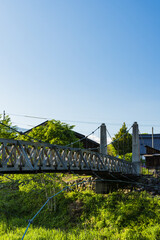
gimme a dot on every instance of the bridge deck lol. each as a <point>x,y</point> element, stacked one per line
<point>29,157</point>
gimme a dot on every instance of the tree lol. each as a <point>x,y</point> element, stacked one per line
<point>123,141</point>
<point>53,132</point>
<point>7,132</point>
<point>111,150</point>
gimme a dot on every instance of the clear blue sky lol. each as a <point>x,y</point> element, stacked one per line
<point>84,60</point>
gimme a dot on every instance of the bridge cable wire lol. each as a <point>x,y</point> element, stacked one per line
<point>127,177</point>
<point>120,137</point>
<point>119,180</point>
<point>83,137</point>
<point>114,140</point>
<point>11,128</point>
<point>109,134</point>
<point>21,133</point>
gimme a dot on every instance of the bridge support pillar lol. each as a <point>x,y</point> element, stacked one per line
<point>105,187</point>
<point>136,148</point>
<point>103,139</point>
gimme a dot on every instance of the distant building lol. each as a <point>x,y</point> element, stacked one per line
<point>146,140</point>
<point>152,158</point>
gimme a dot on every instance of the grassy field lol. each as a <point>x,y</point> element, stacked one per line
<point>74,214</point>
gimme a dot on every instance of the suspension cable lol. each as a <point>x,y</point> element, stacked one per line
<point>21,133</point>
<point>85,137</point>
<point>120,137</point>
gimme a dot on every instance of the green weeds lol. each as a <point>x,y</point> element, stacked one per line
<point>75,215</point>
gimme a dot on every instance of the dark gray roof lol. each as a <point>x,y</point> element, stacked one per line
<point>87,142</point>
<point>146,139</point>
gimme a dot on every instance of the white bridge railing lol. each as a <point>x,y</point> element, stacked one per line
<point>20,157</point>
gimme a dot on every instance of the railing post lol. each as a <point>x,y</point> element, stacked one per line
<point>103,139</point>
<point>136,148</point>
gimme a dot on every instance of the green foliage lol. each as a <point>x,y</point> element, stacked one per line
<point>111,150</point>
<point>53,132</point>
<point>124,144</point>
<point>78,215</point>
<point>6,132</point>
<point>127,157</point>
<point>71,215</point>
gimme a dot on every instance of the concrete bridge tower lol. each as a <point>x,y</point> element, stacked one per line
<point>103,139</point>
<point>136,148</point>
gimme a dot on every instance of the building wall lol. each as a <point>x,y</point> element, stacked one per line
<point>146,139</point>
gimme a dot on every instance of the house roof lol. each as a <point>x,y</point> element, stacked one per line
<point>41,124</point>
<point>146,140</point>
<point>87,143</point>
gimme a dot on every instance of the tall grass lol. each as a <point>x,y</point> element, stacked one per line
<point>80,215</point>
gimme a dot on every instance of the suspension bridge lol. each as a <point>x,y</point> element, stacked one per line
<point>34,157</point>
<point>22,157</point>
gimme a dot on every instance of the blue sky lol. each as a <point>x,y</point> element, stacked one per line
<point>86,61</point>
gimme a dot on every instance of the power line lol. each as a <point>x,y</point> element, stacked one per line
<point>27,116</point>
<point>67,120</point>
<point>77,121</point>
<point>44,118</point>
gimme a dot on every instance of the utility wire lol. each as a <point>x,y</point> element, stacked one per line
<point>44,118</point>
<point>74,121</point>
<point>27,116</point>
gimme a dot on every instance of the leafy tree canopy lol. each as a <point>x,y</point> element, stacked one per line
<point>111,150</point>
<point>53,132</point>
<point>6,132</point>
<point>124,144</point>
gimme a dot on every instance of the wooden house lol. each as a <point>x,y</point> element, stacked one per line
<point>152,158</point>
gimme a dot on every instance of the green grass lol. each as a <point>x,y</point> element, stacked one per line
<point>78,215</point>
